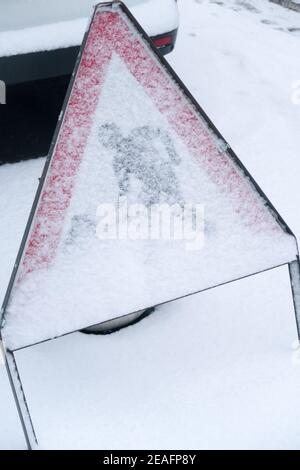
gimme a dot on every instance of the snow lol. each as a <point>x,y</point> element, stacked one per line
<point>42,38</point>
<point>15,210</point>
<point>35,25</point>
<point>240,235</point>
<point>195,375</point>
<point>221,367</point>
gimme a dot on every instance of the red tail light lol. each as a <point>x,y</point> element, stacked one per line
<point>163,41</point>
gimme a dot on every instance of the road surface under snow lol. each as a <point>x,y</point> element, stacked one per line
<point>217,370</point>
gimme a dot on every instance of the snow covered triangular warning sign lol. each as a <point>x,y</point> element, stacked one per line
<point>141,201</point>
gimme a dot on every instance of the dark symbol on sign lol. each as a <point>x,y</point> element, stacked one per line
<point>81,227</point>
<point>139,155</point>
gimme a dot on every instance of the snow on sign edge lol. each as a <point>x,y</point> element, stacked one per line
<point>118,34</point>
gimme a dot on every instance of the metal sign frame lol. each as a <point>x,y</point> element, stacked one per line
<point>293,266</point>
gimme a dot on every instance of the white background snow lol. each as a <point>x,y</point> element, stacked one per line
<point>220,369</point>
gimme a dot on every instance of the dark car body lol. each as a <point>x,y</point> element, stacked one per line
<point>37,75</point>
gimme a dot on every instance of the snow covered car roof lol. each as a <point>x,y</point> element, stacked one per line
<point>39,25</point>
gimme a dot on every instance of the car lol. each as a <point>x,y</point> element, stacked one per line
<point>39,44</point>
<point>41,38</point>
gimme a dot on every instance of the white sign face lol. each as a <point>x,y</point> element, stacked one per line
<point>142,202</point>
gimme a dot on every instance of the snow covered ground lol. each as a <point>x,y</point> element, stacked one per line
<point>217,370</point>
